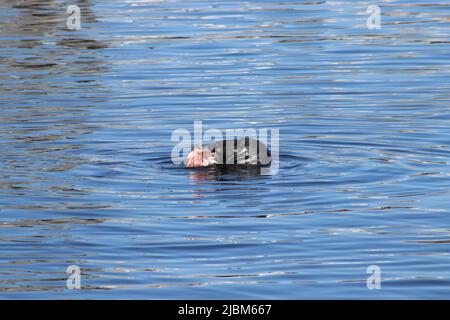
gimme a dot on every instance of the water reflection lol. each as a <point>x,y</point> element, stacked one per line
<point>46,95</point>
<point>226,173</point>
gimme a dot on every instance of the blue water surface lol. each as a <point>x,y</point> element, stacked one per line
<point>86,177</point>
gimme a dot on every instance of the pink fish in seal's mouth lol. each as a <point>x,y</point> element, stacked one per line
<point>200,157</point>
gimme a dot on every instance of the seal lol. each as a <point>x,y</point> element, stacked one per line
<point>244,152</point>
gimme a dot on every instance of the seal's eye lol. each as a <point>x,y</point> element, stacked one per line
<point>213,150</point>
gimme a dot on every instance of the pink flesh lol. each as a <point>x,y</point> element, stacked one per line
<point>199,157</point>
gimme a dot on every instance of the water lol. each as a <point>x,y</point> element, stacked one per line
<point>86,178</point>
